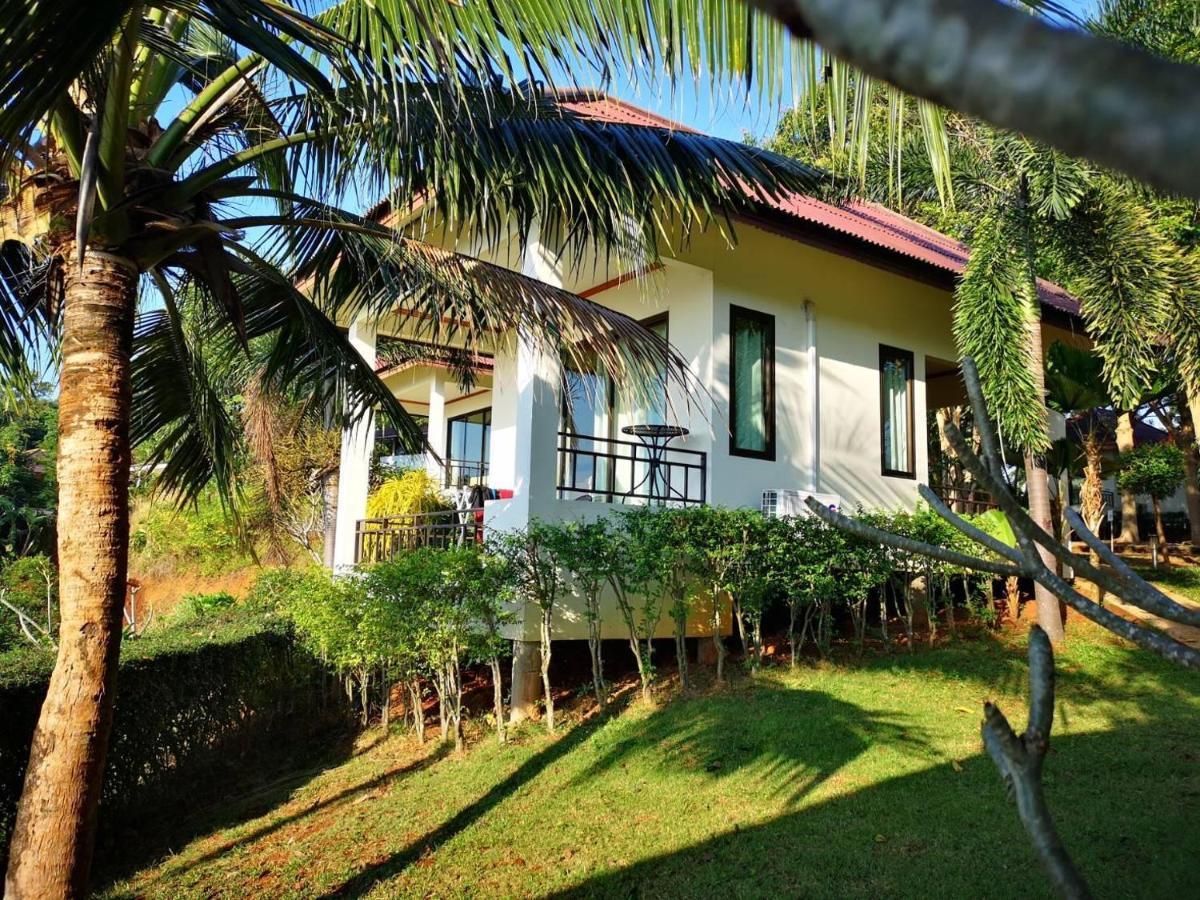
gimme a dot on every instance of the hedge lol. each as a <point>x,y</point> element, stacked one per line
<point>197,706</point>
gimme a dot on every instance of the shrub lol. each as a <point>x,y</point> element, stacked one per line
<point>196,705</point>
<point>196,606</point>
<point>414,491</point>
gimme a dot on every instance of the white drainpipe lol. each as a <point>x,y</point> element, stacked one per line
<point>812,362</point>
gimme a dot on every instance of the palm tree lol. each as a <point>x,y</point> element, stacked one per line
<point>1026,210</point>
<point>1075,387</point>
<point>191,152</point>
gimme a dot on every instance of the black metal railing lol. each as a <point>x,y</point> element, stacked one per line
<point>465,471</point>
<point>376,540</point>
<point>617,471</point>
<point>965,500</point>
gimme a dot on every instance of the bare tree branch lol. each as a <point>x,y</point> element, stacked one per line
<point>1086,95</point>
<point>1019,759</point>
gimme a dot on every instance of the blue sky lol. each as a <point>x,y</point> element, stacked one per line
<point>730,119</point>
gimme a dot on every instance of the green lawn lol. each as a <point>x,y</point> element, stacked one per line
<point>1182,580</point>
<point>857,780</point>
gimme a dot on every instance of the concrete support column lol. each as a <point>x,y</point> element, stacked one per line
<point>435,460</point>
<point>526,680</point>
<point>354,473</point>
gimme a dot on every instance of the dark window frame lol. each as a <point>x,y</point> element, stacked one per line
<point>662,318</point>
<point>890,354</point>
<point>768,321</point>
<point>486,445</point>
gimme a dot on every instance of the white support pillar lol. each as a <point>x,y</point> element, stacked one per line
<point>525,411</point>
<point>437,426</point>
<point>358,440</point>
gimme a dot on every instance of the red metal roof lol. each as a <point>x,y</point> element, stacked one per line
<point>870,223</point>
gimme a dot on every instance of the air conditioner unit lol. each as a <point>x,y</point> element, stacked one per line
<point>788,502</point>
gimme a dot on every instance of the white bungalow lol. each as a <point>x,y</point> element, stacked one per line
<point>823,339</point>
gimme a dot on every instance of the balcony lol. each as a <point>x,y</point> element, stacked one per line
<point>610,470</point>
<point>378,540</point>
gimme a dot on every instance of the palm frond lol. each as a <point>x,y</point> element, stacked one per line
<point>353,267</point>
<point>1120,268</point>
<point>179,412</point>
<point>995,305</point>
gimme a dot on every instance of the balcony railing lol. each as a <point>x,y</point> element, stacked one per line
<point>465,471</point>
<point>617,471</point>
<point>965,500</point>
<point>377,540</point>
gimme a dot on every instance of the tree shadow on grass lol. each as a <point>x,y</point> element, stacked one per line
<point>340,797</point>
<point>244,789</point>
<point>788,738</point>
<point>949,831</point>
<point>792,739</point>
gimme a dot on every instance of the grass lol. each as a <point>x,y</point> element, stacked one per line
<point>857,780</point>
<point>1181,580</point>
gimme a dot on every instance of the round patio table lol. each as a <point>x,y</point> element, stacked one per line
<point>656,438</point>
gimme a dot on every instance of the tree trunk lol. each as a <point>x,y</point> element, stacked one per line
<point>418,708</point>
<point>1037,483</point>
<point>51,850</point>
<point>1158,525</point>
<point>546,614</point>
<point>681,659</point>
<point>1130,533</point>
<point>595,652</point>
<point>498,699</point>
<point>1049,607</point>
<point>718,643</point>
<point>1191,464</point>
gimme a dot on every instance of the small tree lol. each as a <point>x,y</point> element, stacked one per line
<point>585,555</point>
<point>632,552</point>
<point>799,551</point>
<point>720,537</point>
<point>662,551</point>
<point>535,554</point>
<point>490,600</point>
<point>1156,470</point>
<point>395,625</point>
<point>756,586</point>
<point>329,614</point>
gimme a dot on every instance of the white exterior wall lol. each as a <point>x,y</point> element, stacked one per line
<point>857,307</point>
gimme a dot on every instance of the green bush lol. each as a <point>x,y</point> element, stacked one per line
<point>196,705</point>
<point>197,606</point>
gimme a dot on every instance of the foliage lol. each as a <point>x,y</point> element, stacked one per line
<point>28,487</point>
<point>198,606</point>
<point>29,583</point>
<point>1152,469</point>
<point>413,491</point>
<point>587,558</point>
<point>199,537</point>
<point>433,610</point>
<point>534,555</point>
<point>199,701</point>
<point>799,550</point>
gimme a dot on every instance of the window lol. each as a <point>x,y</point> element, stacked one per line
<point>896,411</point>
<point>467,441</point>
<point>752,383</point>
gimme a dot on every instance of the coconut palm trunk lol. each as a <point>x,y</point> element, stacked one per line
<point>1049,608</point>
<point>55,829</point>
<point>1130,532</point>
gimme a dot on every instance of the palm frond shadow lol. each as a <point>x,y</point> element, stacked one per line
<point>813,736</point>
